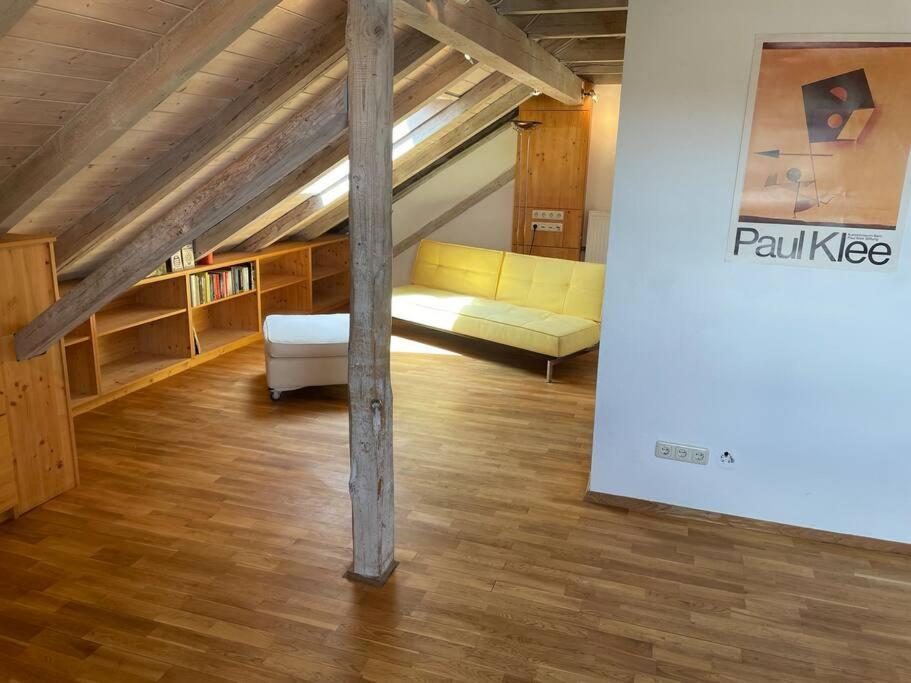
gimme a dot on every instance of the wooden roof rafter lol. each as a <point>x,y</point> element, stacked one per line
<point>595,30</point>
<point>410,53</point>
<point>434,149</point>
<point>302,66</point>
<point>406,102</point>
<point>144,84</point>
<point>11,12</point>
<point>295,142</point>
<point>477,30</point>
<point>520,7</point>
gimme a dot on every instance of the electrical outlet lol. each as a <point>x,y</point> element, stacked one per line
<point>681,453</point>
<point>727,460</point>
<point>664,450</point>
<point>539,214</point>
<point>547,227</point>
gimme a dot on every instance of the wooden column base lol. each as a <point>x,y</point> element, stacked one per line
<point>378,581</point>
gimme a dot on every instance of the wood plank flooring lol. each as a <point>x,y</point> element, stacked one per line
<point>212,528</point>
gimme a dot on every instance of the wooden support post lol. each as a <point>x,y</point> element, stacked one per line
<point>370,55</point>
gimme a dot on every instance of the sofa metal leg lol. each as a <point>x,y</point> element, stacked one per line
<point>550,371</point>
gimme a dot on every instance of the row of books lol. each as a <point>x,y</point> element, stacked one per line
<point>219,284</point>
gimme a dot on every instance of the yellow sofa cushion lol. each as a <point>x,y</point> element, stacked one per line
<point>554,285</point>
<point>457,268</point>
<point>521,327</point>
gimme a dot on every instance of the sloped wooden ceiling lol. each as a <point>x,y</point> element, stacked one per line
<point>60,63</point>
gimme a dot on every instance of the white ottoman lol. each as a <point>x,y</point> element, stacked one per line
<point>305,351</point>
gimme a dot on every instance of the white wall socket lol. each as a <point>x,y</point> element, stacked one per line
<point>547,214</point>
<point>682,453</point>
<point>547,227</point>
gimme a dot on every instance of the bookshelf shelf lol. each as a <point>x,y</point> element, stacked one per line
<point>77,399</point>
<point>322,272</point>
<point>215,338</point>
<point>124,317</point>
<point>150,332</point>
<point>224,298</point>
<point>76,339</point>
<point>124,371</point>
<point>269,283</point>
<point>329,302</point>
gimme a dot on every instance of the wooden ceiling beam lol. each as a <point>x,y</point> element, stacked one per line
<point>142,86</point>
<point>594,51</point>
<point>577,25</point>
<point>606,79</point>
<point>477,30</point>
<point>11,12</point>
<point>177,165</point>
<point>598,69</point>
<point>301,138</point>
<point>406,102</point>
<point>474,100</point>
<point>560,6</point>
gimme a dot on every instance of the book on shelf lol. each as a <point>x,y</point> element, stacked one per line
<point>221,283</point>
<point>187,256</point>
<point>160,270</point>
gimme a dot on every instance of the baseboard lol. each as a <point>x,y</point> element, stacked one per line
<point>666,510</point>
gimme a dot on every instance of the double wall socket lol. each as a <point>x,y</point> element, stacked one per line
<point>682,453</point>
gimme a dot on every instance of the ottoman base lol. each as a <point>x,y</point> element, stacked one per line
<point>288,374</point>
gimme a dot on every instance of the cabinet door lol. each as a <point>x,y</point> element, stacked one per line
<point>7,473</point>
<point>40,427</point>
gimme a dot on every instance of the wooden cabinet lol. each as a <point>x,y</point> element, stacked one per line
<point>8,497</point>
<point>34,396</point>
<point>551,174</point>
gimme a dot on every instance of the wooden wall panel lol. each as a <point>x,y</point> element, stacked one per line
<point>551,173</point>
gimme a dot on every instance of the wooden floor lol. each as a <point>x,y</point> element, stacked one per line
<point>211,531</point>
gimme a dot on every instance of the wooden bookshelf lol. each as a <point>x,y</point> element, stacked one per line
<point>153,331</point>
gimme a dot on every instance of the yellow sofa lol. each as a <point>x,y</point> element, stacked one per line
<point>544,305</point>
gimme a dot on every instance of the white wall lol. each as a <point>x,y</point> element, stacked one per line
<point>803,374</point>
<point>488,224</point>
<point>602,153</point>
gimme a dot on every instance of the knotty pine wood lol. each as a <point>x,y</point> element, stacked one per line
<point>8,495</point>
<point>34,394</point>
<point>208,544</point>
<point>551,172</point>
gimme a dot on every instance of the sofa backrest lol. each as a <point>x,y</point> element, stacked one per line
<point>551,284</point>
<point>457,268</point>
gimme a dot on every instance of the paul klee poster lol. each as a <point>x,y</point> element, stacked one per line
<point>825,160</point>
